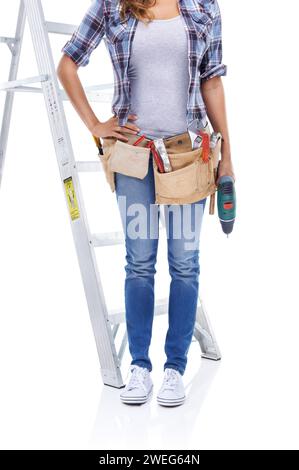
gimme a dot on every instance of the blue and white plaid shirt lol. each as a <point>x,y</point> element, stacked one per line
<point>203,28</point>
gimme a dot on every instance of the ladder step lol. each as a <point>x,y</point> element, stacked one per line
<point>15,84</point>
<point>88,167</point>
<point>60,28</point>
<point>104,86</point>
<point>7,40</point>
<point>95,96</point>
<point>117,316</point>
<point>91,92</point>
<point>107,239</point>
<point>28,89</point>
<point>99,93</point>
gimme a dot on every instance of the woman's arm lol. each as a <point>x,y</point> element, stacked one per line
<point>76,53</point>
<point>214,99</point>
<point>211,70</point>
<point>68,76</point>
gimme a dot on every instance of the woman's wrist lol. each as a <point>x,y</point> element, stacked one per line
<point>91,127</point>
<point>225,150</point>
<point>226,156</point>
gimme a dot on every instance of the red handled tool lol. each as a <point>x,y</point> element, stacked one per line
<point>205,145</point>
<point>156,155</point>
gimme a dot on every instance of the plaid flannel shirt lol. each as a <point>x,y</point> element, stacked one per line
<point>202,22</point>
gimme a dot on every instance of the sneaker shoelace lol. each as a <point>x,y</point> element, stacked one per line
<point>170,379</point>
<point>137,378</point>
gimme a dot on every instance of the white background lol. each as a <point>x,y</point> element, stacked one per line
<point>51,393</point>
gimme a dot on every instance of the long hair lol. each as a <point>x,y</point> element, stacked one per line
<point>138,8</point>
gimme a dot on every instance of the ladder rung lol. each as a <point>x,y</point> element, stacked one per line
<point>104,86</point>
<point>92,94</point>
<point>60,28</point>
<point>15,84</point>
<point>107,239</point>
<point>88,167</point>
<point>99,93</point>
<point>28,89</point>
<point>7,40</point>
<point>97,97</point>
<point>117,316</point>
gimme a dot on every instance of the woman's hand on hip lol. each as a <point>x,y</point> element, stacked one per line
<point>111,128</point>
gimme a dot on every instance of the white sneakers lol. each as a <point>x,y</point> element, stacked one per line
<point>139,388</point>
<point>172,392</point>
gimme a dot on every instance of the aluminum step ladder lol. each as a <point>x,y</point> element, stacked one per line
<point>105,323</point>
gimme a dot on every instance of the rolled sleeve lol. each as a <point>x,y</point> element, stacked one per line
<point>211,64</point>
<point>88,34</point>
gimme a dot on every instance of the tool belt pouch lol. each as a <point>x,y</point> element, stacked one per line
<point>190,180</point>
<point>129,160</point>
<point>108,144</point>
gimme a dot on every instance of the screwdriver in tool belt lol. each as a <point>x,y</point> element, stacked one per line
<point>98,144</point>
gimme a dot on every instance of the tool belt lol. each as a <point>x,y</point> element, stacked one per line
<point>193,174</point>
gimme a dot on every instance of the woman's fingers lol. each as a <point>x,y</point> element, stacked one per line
<point>119,136</point>
<point>133,117</point>
<point>129,125</point>
<point>129,128</point>
<point>124,129</point>
<point>132,127</point>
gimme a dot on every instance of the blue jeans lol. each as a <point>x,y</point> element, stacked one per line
<point>140,220</point>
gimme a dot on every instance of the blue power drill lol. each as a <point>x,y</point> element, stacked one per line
<point>226,203</point>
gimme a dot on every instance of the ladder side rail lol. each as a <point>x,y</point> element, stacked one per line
<point>15,60</point>
<point>204,334</point>
<point>110,366</point>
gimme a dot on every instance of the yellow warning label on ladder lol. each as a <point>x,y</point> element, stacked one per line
<point>71,198</point>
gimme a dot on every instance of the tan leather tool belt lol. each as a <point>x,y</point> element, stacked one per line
<point>192,178</point>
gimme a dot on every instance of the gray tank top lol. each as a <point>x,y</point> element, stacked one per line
<point>159,77</point>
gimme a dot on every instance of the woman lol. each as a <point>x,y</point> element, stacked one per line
<point>166,57</point>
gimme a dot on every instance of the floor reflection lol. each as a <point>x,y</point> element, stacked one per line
<point>120,426</point>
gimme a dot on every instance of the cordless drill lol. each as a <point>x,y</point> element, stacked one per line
<point>226,203</point>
